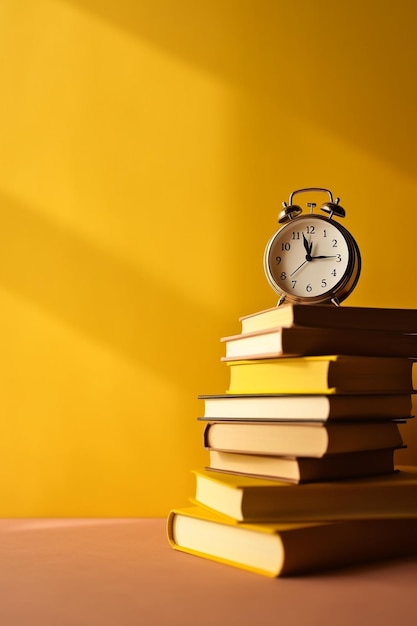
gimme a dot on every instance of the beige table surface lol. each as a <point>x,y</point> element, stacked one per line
<point>123,572</point>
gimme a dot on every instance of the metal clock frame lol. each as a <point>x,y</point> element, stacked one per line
<point>290,214</point>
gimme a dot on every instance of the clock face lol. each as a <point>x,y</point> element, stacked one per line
<point>311,258</point>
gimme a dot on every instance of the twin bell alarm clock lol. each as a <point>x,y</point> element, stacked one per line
<point>312,259</point>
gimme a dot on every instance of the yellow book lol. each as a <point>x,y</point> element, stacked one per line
<point>321,375</point>
<point>248,499</point>
<point>280,549</point>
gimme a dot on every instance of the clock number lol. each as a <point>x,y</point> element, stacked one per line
<point>277,260</point>
<point>333,273</point>
<point>324,233</point>
<point>283,276</point>
<point>311,230</point>
<point>296,235</point>
<point>334,243</point>
<point>323,282</point>
<point>285,246</point>
<point>338,258</point>
<point>293,282</point>
<point>309,288</point>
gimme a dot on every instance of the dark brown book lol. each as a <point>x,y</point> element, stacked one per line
<point>300,341</point>
<point>327,315</point>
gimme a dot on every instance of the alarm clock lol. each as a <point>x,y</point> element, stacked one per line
<point>312,259</point>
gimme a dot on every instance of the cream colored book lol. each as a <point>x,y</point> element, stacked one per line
<point>305,469</point>
<point>313,439</point>
<point>295,407</point>
<point>300,341</point>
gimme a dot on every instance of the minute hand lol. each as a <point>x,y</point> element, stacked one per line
<point>329,256</point>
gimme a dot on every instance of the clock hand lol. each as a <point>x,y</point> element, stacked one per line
<point>300,266</point>
<point>308,247</point>
<point>330,256</point>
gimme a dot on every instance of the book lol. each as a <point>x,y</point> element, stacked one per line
<point>327,315</point>
<point>322,375</point>
<point>282,549</point>
<point>300,341</point>
<point>313,439</point>
<point>249,499</point>
<point>322,408</point>
<point>305,469</point>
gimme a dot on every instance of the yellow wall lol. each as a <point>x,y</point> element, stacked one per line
<point>145,148</point>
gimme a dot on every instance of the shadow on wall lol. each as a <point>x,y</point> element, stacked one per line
<point>345,67</point>
<point>95,292</point>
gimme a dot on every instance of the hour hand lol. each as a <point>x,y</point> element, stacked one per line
<point>307,247</point>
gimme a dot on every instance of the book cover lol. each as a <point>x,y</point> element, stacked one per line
<point>282,549</point>
<point>327,374</point>
<point>300,341</point>
<point>327,315</point>
<point>246,498</point>
<point>294,407</point>
<point>312,439</point>
<point>305,469</point>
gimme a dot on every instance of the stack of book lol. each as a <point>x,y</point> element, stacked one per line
<point>302,473</point>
